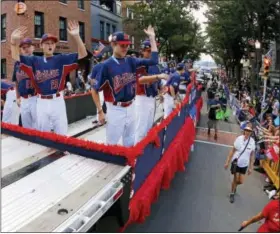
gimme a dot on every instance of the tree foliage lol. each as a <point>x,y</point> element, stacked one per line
<point>177,31</point>
<point>231,24</point>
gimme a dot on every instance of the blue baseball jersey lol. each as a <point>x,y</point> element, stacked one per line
<point>172,70</point>
<point>24,83</point>
<point>165,70</point>
<point>187,75</point>
<point>6,85</point>
<point>48,75</point>
<point>95,70</point>
<point>117,77</point>
<point>150,90</point>
<point>174,81</point>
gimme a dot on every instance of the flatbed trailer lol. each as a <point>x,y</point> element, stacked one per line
<point>65,192</point>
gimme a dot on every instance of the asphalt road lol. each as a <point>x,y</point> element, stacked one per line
<point>198,199</point>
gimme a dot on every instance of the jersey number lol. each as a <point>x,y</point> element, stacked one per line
<point>54,84</point>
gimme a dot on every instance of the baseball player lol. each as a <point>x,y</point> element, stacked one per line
<point>10,110</point>
<point>117,79</point>
<point>26,95</point>
<point>172,88</point>
<point>148,86</point>
<point>48,75</point>
<point>95,70</point>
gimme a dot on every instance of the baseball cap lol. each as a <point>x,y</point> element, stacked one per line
<point>48,36</point>
<point>187,61</point>
<point>180,66</point>
<point>25,41</point>
<point>147,44</point>
<point>248,128</point>
<point>120,38</point>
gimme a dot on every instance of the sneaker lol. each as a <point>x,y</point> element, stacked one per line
<point>231,198</point>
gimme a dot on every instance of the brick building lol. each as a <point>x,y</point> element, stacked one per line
<point>44,17</point>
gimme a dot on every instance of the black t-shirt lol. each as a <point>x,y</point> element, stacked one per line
<point>211,93</point>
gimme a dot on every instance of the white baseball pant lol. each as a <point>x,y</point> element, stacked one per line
<point>28,111</point>
<point>51,115</point>
<point>11,110</point>
<point>121,122</point>
<point>101,98</point>
<point>168,104</point>
<point>145,113</point>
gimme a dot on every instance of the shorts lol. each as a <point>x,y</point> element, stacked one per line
<point>241,170</point>
<point>213,124</point>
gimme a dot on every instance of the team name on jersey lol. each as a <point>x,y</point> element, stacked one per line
<point>121,80</point>
<point>44,75</point>
<point>21,75</point>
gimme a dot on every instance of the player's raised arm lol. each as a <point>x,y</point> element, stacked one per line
<point>17,34</point>
<point>154,56</point>
<point>74,31</point>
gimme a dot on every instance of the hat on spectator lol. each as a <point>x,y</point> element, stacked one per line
<point>248,128</point>
<point>26,41</point>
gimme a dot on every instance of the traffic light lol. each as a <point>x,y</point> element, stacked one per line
<point>266,64</point>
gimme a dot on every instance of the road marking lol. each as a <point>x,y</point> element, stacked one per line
<point>212,143</point>
<point>218,130</point>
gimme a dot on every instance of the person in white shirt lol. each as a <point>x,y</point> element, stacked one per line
<point>244,152</point>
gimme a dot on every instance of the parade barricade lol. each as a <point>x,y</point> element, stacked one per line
<point>155,159</point>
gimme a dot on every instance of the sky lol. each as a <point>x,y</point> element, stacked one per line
<point>198,14</point>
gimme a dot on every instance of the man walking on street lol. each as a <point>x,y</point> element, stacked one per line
<point>214,105</point>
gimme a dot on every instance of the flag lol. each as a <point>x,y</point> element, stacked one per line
<point>99,49</point>
<point>273,153</point>
<point>192,113</point>
<point>269,54</point>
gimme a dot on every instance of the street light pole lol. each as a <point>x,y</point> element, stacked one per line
<point>258,46</point>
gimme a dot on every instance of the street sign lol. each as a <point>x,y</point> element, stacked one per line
<point>20,8</point>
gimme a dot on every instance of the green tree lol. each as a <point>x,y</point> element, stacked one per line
<point>232,23</point>
<point>177,31</point>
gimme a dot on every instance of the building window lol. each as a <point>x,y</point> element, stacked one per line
<point>81,4</point>
<point>62,29</point>
<point>38,24</point>
<point>3,69</point>
<point>118,8</point>
<point>82,31</point>
<point>101,30</point>
<point>3,27</point>
<point>113,28</point>
<point>129,13</point>
<point>63,1</point>
<point>108,26</point>
<point>132,42</point>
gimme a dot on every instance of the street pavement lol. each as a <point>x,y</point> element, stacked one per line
<point>198,199</point>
